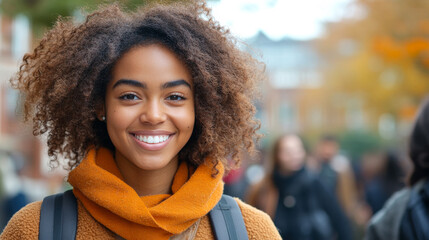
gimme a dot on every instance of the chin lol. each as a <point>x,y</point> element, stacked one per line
<point>151,166</point>
<point>151,163</point>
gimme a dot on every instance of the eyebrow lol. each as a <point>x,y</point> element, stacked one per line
<point>129,82</point>
<point>136,83</point>
<point>175,83</point>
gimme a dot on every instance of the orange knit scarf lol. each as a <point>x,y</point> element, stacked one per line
<point>98,184</point>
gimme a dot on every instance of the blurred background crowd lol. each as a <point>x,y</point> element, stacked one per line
<point>344,81</point>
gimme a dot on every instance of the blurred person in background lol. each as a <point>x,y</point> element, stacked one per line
<point>12,195</point>
<point>236,182</point>
<point>405,216</point>
<point>335,172</point>
<point>301,207</point>
<point>387,180</point>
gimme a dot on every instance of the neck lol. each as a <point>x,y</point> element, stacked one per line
<point>289,172</point>
<point>286,172</point>
<point>149,182</point>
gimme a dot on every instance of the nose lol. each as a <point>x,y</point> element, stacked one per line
<point>153,113</point>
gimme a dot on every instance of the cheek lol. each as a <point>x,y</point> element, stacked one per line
<point>118,118</point>
<point>185,120</point>
<point>283,157</point>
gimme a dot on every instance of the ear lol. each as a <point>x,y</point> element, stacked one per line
<point>99,110</point>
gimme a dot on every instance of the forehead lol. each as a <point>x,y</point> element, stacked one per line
<point>150,63</point>
<point>290,140</point>
<point>329,143</point>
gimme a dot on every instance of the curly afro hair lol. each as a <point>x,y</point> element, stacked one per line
<point>64,79</point>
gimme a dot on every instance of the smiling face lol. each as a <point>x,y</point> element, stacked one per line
<point>149,108</point>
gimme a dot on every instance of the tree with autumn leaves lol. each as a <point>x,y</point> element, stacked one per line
<point>378,58</point>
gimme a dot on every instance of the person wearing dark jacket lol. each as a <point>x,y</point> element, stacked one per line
<point>295,198</point>
<point>405,216</point>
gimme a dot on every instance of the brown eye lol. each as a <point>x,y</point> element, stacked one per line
<point>175,97</point>
<point>129,97</point>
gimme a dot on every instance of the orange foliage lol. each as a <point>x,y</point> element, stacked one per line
<point>388,48</point>
<point>392,50</point>
<point>416,46</point>
<point>387,69</point>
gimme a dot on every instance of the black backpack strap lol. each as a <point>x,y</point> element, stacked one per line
<point>58,217</point>
<point>227,220</point>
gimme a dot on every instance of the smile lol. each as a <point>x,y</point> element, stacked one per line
<point>152,139</point>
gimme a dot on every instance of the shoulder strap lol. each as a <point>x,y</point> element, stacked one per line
<point>58,217</point>
<point>227,220</point>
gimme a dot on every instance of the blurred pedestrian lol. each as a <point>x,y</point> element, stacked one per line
<point>236,183</point>
<point>405,216</point>
<point>336,173</point>
<point>146,107</point>
<point>13,196</point>
<point>300,205</point>
<point>388,179</point>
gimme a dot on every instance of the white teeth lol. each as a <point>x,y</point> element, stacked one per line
<point>152,139</point>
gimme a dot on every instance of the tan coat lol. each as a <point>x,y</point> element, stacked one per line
<point>24,225</point>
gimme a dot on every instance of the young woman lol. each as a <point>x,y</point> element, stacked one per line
<point>301,207</point>
<point>146,107</point>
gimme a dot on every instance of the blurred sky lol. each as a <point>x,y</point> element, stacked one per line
<point>298,19</point>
